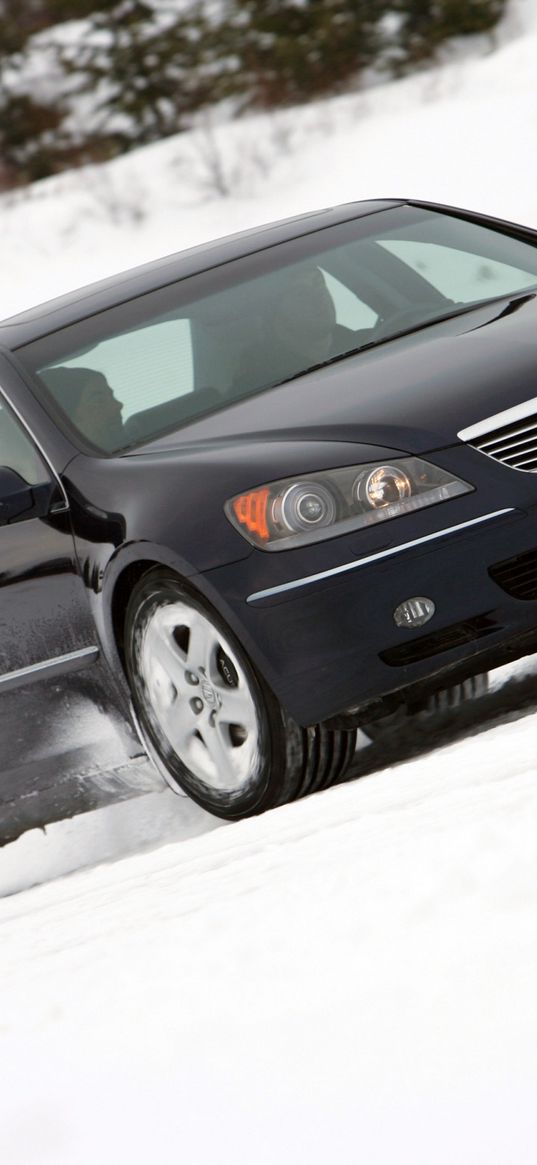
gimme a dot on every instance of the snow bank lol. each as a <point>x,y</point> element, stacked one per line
<point>461,133</point>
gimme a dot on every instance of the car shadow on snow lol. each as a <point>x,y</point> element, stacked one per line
<point>512,694</point>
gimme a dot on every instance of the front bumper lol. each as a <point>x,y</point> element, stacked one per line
<point>328,642</point>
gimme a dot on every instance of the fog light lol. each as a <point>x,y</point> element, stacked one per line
<point>414,612</point>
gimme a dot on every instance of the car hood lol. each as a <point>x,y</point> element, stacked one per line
<point>412,394</point>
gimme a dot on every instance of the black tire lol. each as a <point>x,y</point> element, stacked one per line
<point>213,727</point>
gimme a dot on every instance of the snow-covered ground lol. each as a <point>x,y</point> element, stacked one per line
<point>350,978</point>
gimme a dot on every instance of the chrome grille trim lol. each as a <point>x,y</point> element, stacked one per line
<point>500,420</point>
<point>506,438</point>
<point>521,462</point>
<point>516,437</point>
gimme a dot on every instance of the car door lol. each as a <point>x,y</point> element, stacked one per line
<point>46,628</point>
<point>45,622</point>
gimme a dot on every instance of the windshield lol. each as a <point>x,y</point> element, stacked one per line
<point>143,368</point>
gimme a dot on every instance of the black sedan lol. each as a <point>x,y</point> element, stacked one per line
<point>273,488</point>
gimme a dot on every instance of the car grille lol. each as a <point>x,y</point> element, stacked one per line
<point>514,444</point>
<point>517,576</point>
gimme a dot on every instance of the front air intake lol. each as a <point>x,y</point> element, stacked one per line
<point>446,639</point>
<point>517,576</point>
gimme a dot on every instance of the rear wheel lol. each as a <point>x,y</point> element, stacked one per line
<point>214,728</point>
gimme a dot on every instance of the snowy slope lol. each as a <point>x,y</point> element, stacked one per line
<point>463,133</point>
<point>350,978</point>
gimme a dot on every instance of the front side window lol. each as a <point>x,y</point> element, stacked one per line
<point>144,368</point>
<point>17,450</point>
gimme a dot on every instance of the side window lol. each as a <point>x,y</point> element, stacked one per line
<point>459,275</point>
<point>17,451</point>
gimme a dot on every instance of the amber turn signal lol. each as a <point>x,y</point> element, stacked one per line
<point>251,511</point>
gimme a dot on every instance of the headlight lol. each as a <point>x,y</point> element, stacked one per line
<point>297,511</point>
<point>380,486</point>
<point>305,506</point>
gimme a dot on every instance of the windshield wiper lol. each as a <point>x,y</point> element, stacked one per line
<point>514,303</point>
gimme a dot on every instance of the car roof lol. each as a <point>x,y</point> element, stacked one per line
<point>66,309</point>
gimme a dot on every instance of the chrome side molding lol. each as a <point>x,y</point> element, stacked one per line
<point>59,665</point>
<point>358,562</point>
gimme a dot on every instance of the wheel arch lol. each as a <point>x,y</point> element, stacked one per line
<point>124,573</point>
<point>128,574</point>
<point>123,587</point>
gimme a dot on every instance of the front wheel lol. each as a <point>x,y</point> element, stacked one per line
<point>218,733</point>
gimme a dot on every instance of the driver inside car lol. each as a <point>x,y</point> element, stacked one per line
<point>86,397</point>
<point>298,330</point>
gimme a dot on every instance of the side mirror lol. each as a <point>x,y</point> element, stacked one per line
<point>17,498</point>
